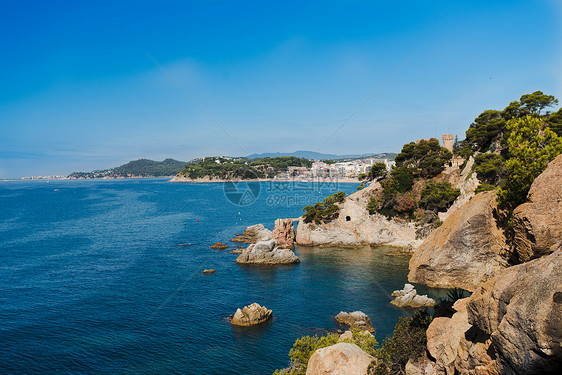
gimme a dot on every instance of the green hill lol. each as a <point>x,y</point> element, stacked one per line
<point>136,168</point>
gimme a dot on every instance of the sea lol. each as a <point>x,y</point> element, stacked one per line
<point>105,277</point>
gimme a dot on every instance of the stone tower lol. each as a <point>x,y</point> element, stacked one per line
<point>448,141</point>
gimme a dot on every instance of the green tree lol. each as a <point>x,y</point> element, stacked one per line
<point>490,168</point>
<point>555,122</point>
<point>377,170</point>
<point>534,103</point>
<point>438,196</point>
<point>532,146</point>
<point>486,128</point>
<point>425,159</point>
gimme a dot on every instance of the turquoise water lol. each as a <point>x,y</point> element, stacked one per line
<point>93,280</point>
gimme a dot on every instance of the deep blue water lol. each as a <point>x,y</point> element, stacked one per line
<point>92,279</point>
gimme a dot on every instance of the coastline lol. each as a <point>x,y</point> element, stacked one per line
<point>218,180</point>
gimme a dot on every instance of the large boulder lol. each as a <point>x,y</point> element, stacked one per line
<point>521,310</point>
<point>409,297</point>
<point>284,233</point>
<point>251,315</point>
<point>355,319</point>
<point>537,223</point>
<point>511,325</point>
<point>265,252</point>
<point>339,359</point>
<point>253,234</point>
<point>465,251</point>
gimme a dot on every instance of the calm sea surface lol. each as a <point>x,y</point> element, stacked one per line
<point>92,280</point>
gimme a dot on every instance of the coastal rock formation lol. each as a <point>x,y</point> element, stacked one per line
<point>356,319</point>
<point>284,233</point>
<point>219,245</point>
<point>253,234</point>
<point>537,223</point>
<point>408,297</point>
<point>339,359</point>
<point>465,251</point>
<point>511,325</point>
<point>251,315</point>
<point>355,227</point>
<point>209,271</point>
<point>265,252</point>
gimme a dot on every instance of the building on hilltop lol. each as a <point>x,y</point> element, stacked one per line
<point>448,140</point>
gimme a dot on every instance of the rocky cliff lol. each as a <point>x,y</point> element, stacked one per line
<point>512,324</point>
<point>355,227</point>
<point>538,223</point>
<point>465,251</point>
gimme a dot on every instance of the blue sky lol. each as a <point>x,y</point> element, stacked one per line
<point>80,90</point>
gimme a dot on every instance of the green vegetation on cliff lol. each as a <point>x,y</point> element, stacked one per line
<point>136,168</point>
<point>229,168</point>
<point>324,211</point>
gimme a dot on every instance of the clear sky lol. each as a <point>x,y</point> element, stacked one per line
<point>81,87</point>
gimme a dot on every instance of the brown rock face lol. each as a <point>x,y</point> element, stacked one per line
<point>511,325</point>
<point>465,251</point>
<point>284,233</point>
<point>538,223</point>
<point>219,246</point>
<point>521,310</point>
<point>250,315</point>
<point>253,234</point>
<point>339,359</point>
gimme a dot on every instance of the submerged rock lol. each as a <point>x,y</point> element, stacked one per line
<point>254,234</point>
<point>265,252</point>
<point>219,245</point>
<point>251,315</point>
<point>537,223</point>
<point>339,359</point>
<point>409,297</point>
<point>465,251</point>
<point>356,319</point>
<point>209,271</point>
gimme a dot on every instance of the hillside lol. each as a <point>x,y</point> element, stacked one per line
<point>228,168</point>
<point>312,155</point>
<point>136,168</point>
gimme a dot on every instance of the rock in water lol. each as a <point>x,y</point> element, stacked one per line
<point>284,233</point>
<point>254,234</point>
<point>209,271</point>
<point>251,315</point>
<point>465,251</point>
<point>356,319</point>
<point>219,245</point>
<point>265,252</point>
<point>537,223</point>
<point>339,359</point>
<point>408,297</point>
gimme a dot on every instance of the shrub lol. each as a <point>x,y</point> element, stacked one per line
<point>484,187</point>
<point>438,196</point>
<point>324,211</point>
<point>304,347</point>
<point>490,168</point>
<point>407,341</point>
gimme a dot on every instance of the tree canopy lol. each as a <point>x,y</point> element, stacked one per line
<point>532,146</point>
<point>426,159</point>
